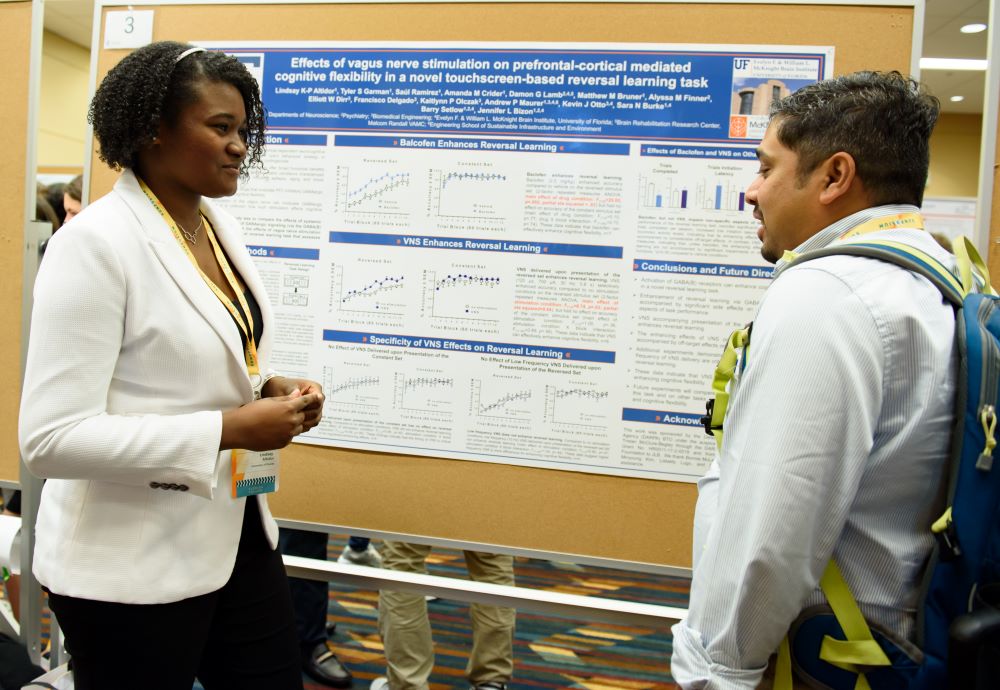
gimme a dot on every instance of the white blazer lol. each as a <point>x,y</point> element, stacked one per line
<point>131,360</point>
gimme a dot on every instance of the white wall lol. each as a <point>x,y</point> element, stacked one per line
<point>65,97</point>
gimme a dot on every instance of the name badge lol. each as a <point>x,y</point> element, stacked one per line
<point>254,472</point>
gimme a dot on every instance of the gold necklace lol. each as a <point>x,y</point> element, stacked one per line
<point>192,237</point>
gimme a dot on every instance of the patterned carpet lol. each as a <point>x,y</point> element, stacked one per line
<point>549,652</point>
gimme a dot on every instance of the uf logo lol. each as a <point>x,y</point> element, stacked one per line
<point>741,63</point>
<point>737,127</point>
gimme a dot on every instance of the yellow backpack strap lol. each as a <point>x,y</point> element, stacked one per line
<point>972,269</point>
<point>855,654</point>
<point>783,667</point>
<point>860,648</point>
<point>716,409</point>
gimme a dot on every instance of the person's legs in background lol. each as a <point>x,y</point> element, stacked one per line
<point>311,599</point>
<point>359,551</point>
<point>403,623</point>
<point>491,663</point>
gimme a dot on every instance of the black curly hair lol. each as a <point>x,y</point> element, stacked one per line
<point>149,86</point>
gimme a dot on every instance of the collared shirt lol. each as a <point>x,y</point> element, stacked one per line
<point>835,444</point>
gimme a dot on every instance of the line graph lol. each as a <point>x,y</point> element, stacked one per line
<point>454,177</point>
<point>353,391</point>
<point>576,406</point>
<point>424,393</point>
<point>373,190</point>
<point>467,194</point>
<point>351,385</point>
<point>381,293</point>
<point>502,401</point>
<point>466,295</point>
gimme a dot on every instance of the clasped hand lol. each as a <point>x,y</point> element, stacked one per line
<point>287,408</point>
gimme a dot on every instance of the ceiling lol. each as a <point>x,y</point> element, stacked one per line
<point>73,19</point>
<point>942,38</point>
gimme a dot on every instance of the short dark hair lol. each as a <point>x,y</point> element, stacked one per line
<point>149,86</point>
<point>74,188</point>
<point>45,212</point>
<point>54,195</point>
<point>882,119</point>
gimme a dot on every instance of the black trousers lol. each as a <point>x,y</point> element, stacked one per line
<point>241,637</point>
<point>310,598</point>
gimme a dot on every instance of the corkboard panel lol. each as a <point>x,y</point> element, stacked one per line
<point>635,520</point>
<point>15,37</point>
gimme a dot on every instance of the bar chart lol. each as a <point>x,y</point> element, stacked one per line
<point>658,191</point>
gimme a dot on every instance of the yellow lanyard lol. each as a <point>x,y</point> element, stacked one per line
<point>245,323</point>
<point>900,220</point>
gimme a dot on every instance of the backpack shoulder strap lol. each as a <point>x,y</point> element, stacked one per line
<point>902,255</point>
<point>971,267</point>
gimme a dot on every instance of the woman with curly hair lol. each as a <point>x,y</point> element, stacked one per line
<point>148,389</point>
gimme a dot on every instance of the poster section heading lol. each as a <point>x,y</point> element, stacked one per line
<point>471,346</point>
<point>266,252</point>
<point>636,94</point>
<point>632,414</point>
<point>479,245</point>
<point>695,268</point>
<point>705,152</point>
<point>501,145</point>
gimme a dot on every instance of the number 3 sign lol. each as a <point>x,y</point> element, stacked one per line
<point>131,29</point>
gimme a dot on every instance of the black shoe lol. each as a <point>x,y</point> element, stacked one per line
<point>323,666</point>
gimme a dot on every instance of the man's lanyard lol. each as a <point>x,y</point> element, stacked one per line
<point>913,221</point>
<point>245,323</point>
<point>901,220</point>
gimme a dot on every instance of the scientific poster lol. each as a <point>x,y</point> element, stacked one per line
<point>525,254</point>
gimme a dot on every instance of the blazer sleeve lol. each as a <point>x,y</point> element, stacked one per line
<point>77,327</point>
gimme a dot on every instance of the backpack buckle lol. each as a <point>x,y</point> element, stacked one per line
<point>947,541</point>
<point>706,421</point>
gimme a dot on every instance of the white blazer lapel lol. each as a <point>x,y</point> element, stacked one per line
<point>178,265</point>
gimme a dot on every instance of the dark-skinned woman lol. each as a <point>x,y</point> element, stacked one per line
<point>148,403</point>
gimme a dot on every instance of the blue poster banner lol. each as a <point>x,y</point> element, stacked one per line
<point>273,139</point>
<point>695,268</point>
<point>265,252</point>
<point>632,414</point>
<point>714,152</point>
<point>478,245</point>
<point>471,346</point>
<point>641,94</point>
<point>503,145</point>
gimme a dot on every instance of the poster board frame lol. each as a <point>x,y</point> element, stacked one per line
<point>20,29</point>
<point>639,523</point>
